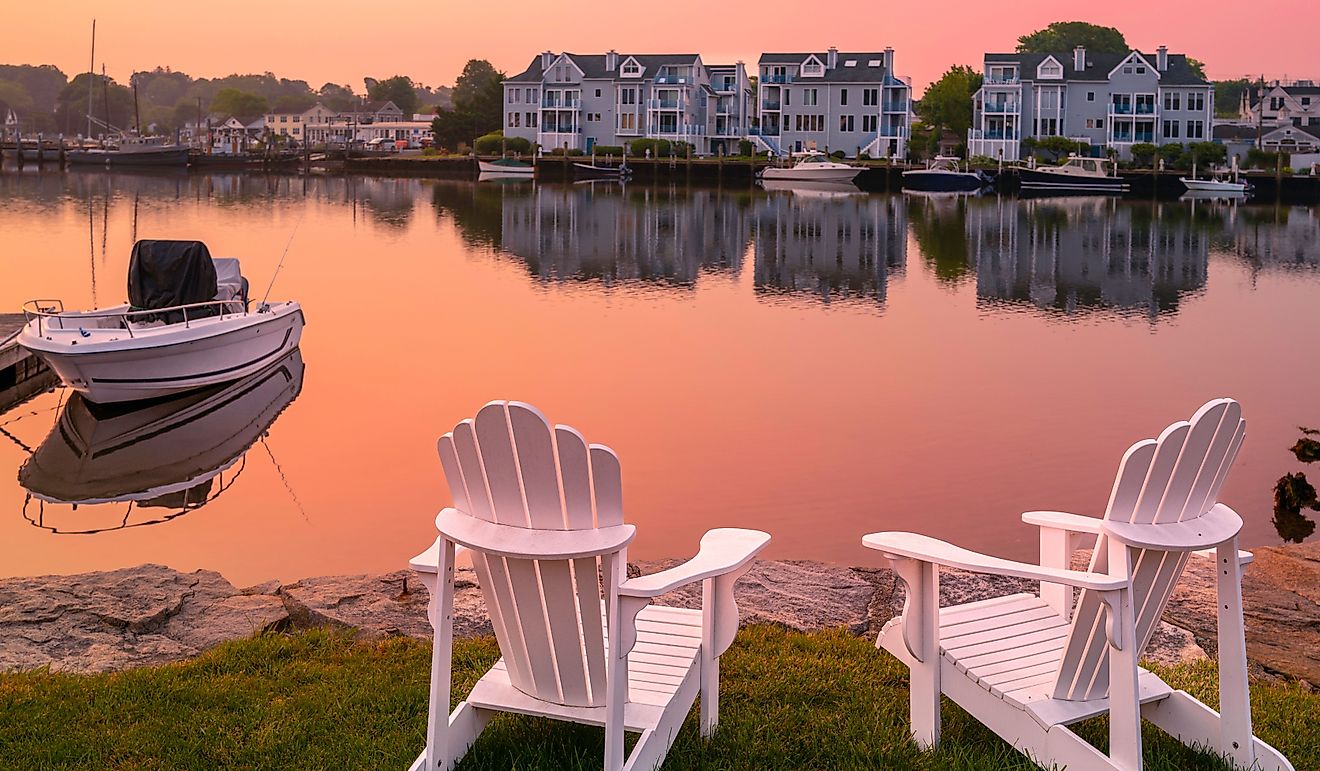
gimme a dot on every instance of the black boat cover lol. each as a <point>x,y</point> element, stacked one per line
<point>162,274</point>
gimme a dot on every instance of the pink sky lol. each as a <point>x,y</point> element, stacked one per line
<point>346,41</point>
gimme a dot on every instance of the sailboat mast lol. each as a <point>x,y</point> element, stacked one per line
<point>91,81</point>
<point>105,96</point>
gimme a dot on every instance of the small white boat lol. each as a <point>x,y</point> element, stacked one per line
<point>506,166</point>
<point>187,325</point>
<point>1219,186</point>
<point>943,176</point>
<point>593,169</point>
<point>1078,174</point>
<point>812,167</point>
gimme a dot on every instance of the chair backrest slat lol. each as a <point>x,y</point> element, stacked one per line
<point>509,466</point>
<point>1173,479</point>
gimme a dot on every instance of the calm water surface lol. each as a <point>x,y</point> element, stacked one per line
<point>813,364</point>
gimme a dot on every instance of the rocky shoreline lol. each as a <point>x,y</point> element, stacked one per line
<point>151,614</point>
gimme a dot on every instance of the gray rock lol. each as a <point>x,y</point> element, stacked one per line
<point>796,594</point>
<point>382,605</point>
<point>106,621</point>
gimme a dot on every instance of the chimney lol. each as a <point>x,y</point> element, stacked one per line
<point>1162,58</point>
<point>889,60</point>
<point>1079,58</point>
<point>547,59</point>
<point>832,60</point>
<point>611,60</point>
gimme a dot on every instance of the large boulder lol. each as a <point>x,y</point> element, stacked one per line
<point>117,619</point>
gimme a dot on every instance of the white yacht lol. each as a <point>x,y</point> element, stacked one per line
<point>188,324</point>
<point>943,175</point>
<point>1216,186</point>
<point>812,167</point>
<point>1078,174</point>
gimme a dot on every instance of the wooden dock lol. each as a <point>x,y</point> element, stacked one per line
<point>22,375</point>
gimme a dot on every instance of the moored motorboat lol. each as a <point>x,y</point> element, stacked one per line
<point>506,166</point>
<point>1218,186</point>
<point>188,324</point>
<point>1078,174</point>
<point>943,175</point>
<point>133,150</point>
<point>812,167</point>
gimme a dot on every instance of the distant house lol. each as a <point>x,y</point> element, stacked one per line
<point>1237,138</point>
<point>1104,100</point>
<point>1279,103</point>
<point>417,133</point>
<point>1290,138</point>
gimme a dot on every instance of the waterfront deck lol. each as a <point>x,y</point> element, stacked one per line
<point>22,375</point>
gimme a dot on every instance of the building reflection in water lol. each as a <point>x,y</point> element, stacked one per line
<point>610,233</point>
<point>825,243</point>
<point>1075,254</point>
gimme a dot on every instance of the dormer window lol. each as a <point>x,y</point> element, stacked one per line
<point>813,68</point>
<point>630,69</point>
<point>1050,69</point>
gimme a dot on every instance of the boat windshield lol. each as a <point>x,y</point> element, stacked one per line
<point>808,159</point>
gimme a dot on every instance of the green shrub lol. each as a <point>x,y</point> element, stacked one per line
<point>837,154</point>
<point>490,144</point>
<point>1264,159</point>
<point>745,147</point>
<point>982,160</point>
<point>658,147</point>
<point>607,150</point>
<point>863,156</point>
<point>1143,153</point>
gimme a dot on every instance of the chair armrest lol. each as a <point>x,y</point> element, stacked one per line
<point>1062,520</point>
<point>526,543</point>
<point>926,549</point>
<point>429,560</point>
<point>722,551</point>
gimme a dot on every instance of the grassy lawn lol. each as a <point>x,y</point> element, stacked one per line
<point>317,700</point>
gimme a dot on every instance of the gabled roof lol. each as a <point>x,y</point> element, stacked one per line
<point>1311,132</point>
<point>861,72</point>
<point>1098,66</point>
<point>593,67</point>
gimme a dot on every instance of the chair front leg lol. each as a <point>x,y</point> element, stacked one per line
<point>442,648</point>
<point>921,635</point>
<point>1234,694</point>
<point>710,660</point>
<point>1124,696</point>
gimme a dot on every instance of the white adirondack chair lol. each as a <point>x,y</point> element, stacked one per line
<point>542,513</point>
<point>1028,667</point>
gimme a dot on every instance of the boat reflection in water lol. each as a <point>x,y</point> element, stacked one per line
<point>163,458</point>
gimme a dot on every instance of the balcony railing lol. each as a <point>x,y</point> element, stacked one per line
<point>979,134</point>
<point>561,104</point>
<point>1002,81</point>
<point>672,79</point>
<point>663,104</point>
<point>769,105</point>
<point>1000,107</point>
<point>900,106</point>
<point>777,79</point>
<point>1128,109</point>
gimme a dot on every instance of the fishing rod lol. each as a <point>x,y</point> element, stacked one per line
<point>263,307</point>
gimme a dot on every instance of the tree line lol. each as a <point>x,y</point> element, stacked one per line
<point>46,100</point>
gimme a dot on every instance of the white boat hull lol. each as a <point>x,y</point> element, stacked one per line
<point>1213,186</point>
<point>797,174</point>
<point>496,168</point>
<point>107,365</point>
